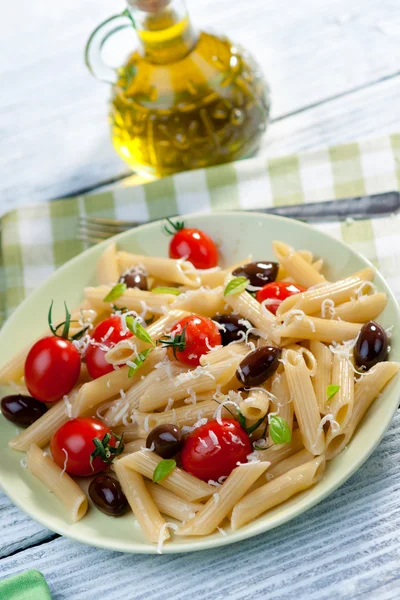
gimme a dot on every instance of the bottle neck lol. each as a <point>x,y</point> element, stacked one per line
<point>164,29</point>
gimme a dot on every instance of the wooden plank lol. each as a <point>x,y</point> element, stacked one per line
<point>54,135</point>
<point>346,547</point>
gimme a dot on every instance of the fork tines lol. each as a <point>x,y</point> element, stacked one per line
<point>96,229</point>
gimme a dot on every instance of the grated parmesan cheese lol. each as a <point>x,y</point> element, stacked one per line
<point>366,287</point>
<point>328,309</point>
<point>65,462</point>
<point>214,439</point>
<point>222,531</point>
<point>328,419</point>
<point>297,315</point>
<point>161,540</point>
<point>68,406</point>
<point>24,463</point>
<point>194,374</point>
<point>170,404</point>
<point>216,497</point>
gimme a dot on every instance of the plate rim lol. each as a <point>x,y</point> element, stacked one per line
<point>256,527</point>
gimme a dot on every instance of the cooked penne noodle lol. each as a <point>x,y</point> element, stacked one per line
<point>172,505</point>
<point>304,401</point>
<point>323,374</point>
<point>213,277</point>
<point>283,405</point>
<point>341,405</point>
<point>314,328</point>
<point>141,503</point>
<point>199,381</point>
<point>366,308</point>
<point>256,405</point>
<point>224,499</point>
<point>340,291</point>
<point>296,266</point>
<point>58,482</point>
<point>318,264</point>
<point>277,491</point>
<point>277,452</point>
<point>256,313</point>
<point>107,266</point>
<point>13,370</point>
<point>222,353</point>
<point>201,301</point>
<point>365,391</point>
<point>133,299</point>
<point>180,482</point>
<point>288,464</point>
<point>175,271</point>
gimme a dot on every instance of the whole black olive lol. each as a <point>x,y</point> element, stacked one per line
<point>135,280</point>
<point>107,494</point>
<point>22,410</point>
<point>167,439</point>
<point>232,328</point>
<point>371,346</point>
<point>258,366</point>
<point>258,273</point>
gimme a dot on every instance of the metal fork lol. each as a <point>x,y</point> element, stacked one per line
<point>96,229</point>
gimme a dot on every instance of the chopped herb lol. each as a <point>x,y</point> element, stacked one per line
<point>279,430</point>
<point>166,290</point>
<point>163,469</point>
<point>331,391</point>
<point>137,329</point>
<point>138,362</point>
<point>236,286</point>
<point>116,292</point>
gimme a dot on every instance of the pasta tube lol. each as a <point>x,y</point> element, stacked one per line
<point>175,271</point>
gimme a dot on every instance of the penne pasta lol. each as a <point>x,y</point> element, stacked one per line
<point>107,266</point>
<point>323,374</point>
<point>278,452</point>
<point>304,401</point>
<point>183,484</point>
<point>141,503</point>
<point>256,405</point>
<point>282,403</point>
<point>172,505</point>
<point>341,405</point>
<point>224,499</point>
<point>296,266</point>
<point>277,491</point>
<point>222,353</point>
<point>58,482</point>
<point>366,308</point>
<point>132,299</point>
<point>168,269</point>
<point>314,328</point>
<point>201,301</point>
<point>365,391</point>
<point>292,462</point>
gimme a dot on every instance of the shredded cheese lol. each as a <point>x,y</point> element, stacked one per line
<point>163,528</point>
<point>68,406</point>
<point>65,462</point>
<point>328,309</point>
<point>328,419</point>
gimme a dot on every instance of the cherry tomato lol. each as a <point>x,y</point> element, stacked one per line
<point>214,449</point>
<point>52,368</point>
<point>95,354</point>
<point>72,445</point>
<point>279,291</point>
<point>201,334</point>
<point>196,246</point>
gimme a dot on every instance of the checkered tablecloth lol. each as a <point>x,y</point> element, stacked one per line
<point>37,239</point>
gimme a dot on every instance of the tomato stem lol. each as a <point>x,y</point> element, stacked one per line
<point>176,342</point>
<point>103,449</point>
<point>175,227</point>
<point>65,324</point>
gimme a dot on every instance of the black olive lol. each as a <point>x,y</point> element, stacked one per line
<point>107,494</point>
<point>232,328</point>
<point>167,439</point>
<point>258,366</point>
<point>371,346</point>
<point>135,280</point>
<point>258,273</point>
<point>22,410</point>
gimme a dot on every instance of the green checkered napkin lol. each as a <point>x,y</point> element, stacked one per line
<point>35,240</point>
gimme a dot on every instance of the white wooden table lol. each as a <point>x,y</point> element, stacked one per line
<point>334,72</point>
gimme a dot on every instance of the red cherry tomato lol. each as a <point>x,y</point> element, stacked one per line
<point>52,368</point>
<point>196,246</point>
<point>214,449</point>
<point>95,354</point>
<point>72,444</point>
<point>279,291</point>
<point>201,334</point>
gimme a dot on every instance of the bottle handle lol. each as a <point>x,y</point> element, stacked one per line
<point>96,41</point>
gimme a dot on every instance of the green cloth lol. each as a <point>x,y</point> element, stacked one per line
<point>35,240</point>
<point>29,585</point>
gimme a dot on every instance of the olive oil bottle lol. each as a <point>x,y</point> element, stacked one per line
<point>184,99</point>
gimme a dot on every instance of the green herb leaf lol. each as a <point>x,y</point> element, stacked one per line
<point>164,468</point>
<point>236,286</point>
<point>139,361</point>
<point>166,290</point>
<point>137,329</point>
<point>279,430</point>
<point>331,391</point>
<point>116,292</point>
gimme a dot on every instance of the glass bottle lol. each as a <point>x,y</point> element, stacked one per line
<point>183,100</point>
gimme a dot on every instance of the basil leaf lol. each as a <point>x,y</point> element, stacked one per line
<point>137,329</point>
<point>164,468</point>
<point>236,286</point>
<point>139,361</point>
<point>117,291</point>
<point>279,430</point>
<point>166,290</point>
<point>331,391</point>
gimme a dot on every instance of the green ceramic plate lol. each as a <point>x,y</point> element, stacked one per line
<point>238,234</point>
